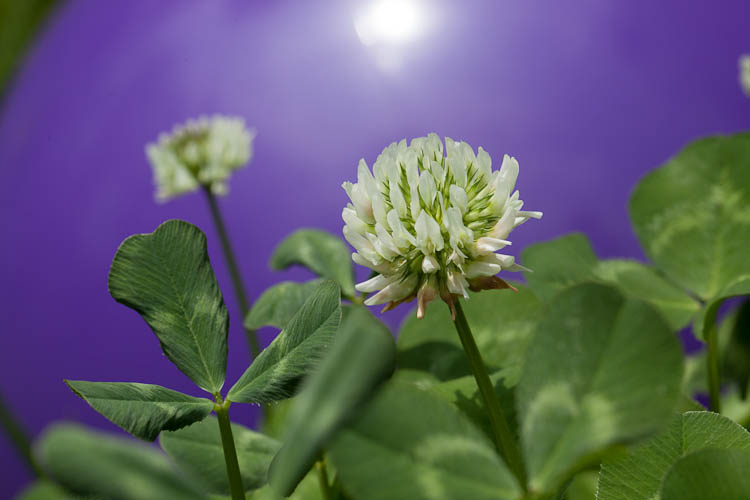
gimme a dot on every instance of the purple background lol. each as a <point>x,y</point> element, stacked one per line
<point>587,97</point>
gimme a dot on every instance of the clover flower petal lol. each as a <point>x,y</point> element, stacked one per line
<point>201,152</point>
<point>430,218</point>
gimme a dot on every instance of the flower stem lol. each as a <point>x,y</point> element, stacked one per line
<point>230,453</point>
<point>17,435</point>
<point>239,287</point>
<point>712,361</point>
<point>325,487</point>
<point>504,439</point>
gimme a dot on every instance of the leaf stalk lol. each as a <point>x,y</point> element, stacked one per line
<point>230,452</point>
<point>504,439</point>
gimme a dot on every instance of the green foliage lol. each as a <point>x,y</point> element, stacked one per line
<point>570,260</point>
<point>166,276</point>
<point>278,304</point>
<point>321,252</point>
<point>361,357</point>
<point>602,369</point>
<point>638,474</point>
<point>19,21</point>
<point>143,410</point>
<point>692,218</point>
<point>736,356</point>
<point>197,450</point>
<point>583,486</point>
<point>411,444</point>
<point>464,394</point>
<point>705,320</point>
<point>709,474</point>
<point>277,371</point>
<point>307,489</point>
<point>502,323</point>
<point>44,490</point>
<point>94,463</point>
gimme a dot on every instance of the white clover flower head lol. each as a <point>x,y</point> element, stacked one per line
<point>744,64</point>
<point>201,152</point>
<point>430,220</point>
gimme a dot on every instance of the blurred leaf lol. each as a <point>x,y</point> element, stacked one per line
<point>583,486</point>
<point>19,21</point>
<point>412,444</point>
<point>692,215</point>
<point>277,305</point>
<point>143,410</point>
<point>602,369</point>
<point>570,260</point>
<point>464,394</point>
<point>308,489</point>
<point>277,371</point>
<point>275,420</point>
<point>502,322</point>
<point>709,474</point>
<point>361,357</point>
<point>96,463</point>
<point>321,252</point>
<point>638,475</point>
<point>166,276</point>
<point>198,451</point>
<point>558,264</point>
<point>44,490</point>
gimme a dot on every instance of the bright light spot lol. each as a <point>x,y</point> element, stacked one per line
<point>390,22</point>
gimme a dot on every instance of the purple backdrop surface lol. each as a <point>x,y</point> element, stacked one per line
<point>588,98</point>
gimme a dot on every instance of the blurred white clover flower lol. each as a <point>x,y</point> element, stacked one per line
<point>201,152</point>
<point>430,224</point>
<point>744,64</point>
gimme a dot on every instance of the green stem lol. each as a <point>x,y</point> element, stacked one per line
<point>239,288</point>
<point>325,487</point>
<point>230,453</point>
<point>18,437</point>
<point>711,334</point>
<point>712,361</point>
<point>504,439</point>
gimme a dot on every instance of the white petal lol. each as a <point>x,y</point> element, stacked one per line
<point>427,293</point>
<point>430,264</point>
<point>438,172</point>
<point>458,169</point>
<point>412,170</point>
<point>386,247</point>
<point>414,205</point>
<point>373,284</point>
<point>361,244</point>
<point>402,238</point>
<point>484,163</point>
<point>479,268</point>
<point>504,225</point>
<point>379,210</point>
<point>427,188</point>
<point>397,200</point>
<point>468,153</point>
<point>457,284</point>
<point>459,233</point>
<point>509,172</point>
<point>395,291</point>
<point>365,178</point>
<point>458,198</point>
<point>429,238</point>
<point>350,218</point>
<point>488,245</point>
<point>381,267</point>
